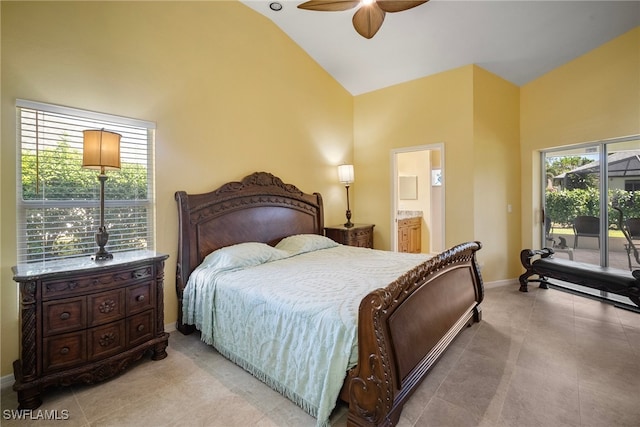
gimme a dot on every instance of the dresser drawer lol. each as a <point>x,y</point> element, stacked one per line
<point>139,298</point>
<point>106,307</point>
<point>106,340</point>
<point>358,235</point>
<point>64,315</point>
<point>362,238</point>
<point>81,284</point>
<point>139,328</point>
<point>62,351</point>
<point>408,222</point>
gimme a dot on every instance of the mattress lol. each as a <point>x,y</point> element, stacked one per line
<point>289,314</point>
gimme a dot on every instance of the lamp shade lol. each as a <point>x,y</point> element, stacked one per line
<point>101,149</point>
<point>345,174</point>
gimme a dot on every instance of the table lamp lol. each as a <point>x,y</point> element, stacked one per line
<point>101,151</point>
<point>345,175</point>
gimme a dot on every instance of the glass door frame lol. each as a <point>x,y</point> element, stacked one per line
<point>602,149</point>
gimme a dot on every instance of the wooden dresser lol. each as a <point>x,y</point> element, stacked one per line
<point>84,321</point>
<point>410,235</point>
<point>358,235</point>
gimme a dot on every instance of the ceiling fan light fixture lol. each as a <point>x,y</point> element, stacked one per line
<point>369,17</point>
<point>368,20</point>
<point>329,5</point>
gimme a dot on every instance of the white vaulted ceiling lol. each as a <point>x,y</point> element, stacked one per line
<point>516,40</point>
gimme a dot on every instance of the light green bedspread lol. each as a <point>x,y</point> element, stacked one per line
<point>293,322</point>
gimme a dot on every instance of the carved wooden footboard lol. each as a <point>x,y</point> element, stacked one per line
<point>404,328</point>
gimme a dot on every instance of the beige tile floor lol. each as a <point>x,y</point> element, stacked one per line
<point>545,358</point>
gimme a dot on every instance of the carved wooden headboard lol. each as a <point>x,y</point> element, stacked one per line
<point>260,208</point>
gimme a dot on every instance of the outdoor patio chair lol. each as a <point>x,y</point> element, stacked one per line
<point>586,226</point>
<point>633,228</point>
<point>632,252</point>
<point>631,233</point>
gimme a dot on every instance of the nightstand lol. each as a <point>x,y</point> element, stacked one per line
<point>84,321</point>
<point>358,235</point>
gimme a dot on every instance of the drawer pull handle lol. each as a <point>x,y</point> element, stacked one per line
<point>107,306</point>
<point>140,328</point>
<point>140,298</point>
<point>65,315</point>
<point>107,339</point>
<point>64,350</point>
<point>142,272</point>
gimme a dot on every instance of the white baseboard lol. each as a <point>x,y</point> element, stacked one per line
<point>499,283</point>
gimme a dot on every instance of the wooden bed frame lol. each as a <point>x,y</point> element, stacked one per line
<point>402,329</point>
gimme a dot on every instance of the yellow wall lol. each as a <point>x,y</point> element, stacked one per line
<point>426,111</point>
<point>475,114</point>
<point>496,174</point>
<point>230,93</point>
<point>592,98</point>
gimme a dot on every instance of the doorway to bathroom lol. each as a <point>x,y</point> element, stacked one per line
<point>417,199</point>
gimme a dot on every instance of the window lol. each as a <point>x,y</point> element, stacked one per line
<point>632,185</point>
<point>59,202</point>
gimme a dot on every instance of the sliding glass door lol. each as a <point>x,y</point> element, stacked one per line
<point>583,186</point>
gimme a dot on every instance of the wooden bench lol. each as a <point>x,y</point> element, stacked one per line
<point>608,279</point>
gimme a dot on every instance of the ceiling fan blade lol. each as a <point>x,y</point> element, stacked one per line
<point>329,5</point>
<point>398,5</point>
<point>367,20</point>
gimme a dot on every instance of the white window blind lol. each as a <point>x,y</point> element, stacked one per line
<point>59,202</point>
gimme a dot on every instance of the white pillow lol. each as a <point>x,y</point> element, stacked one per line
<point>301,243</point>
<point>242,255</point>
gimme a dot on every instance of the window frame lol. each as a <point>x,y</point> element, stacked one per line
<point>601,149</point>
<point>100,119</point>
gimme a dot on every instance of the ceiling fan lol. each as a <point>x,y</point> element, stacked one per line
<point>369,17</point>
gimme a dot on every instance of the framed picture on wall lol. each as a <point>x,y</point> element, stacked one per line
<point>408,187</point>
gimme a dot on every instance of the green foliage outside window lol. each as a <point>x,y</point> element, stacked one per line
<point>564,205</point>
<point>65,198</point>
<point>580,194</point>
<point>60,175</point>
